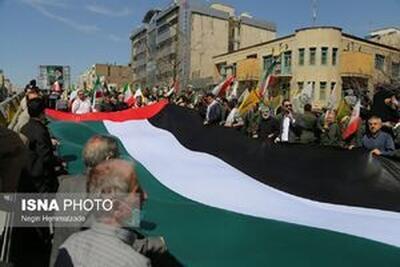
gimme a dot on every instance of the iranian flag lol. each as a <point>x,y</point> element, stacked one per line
<point>220,199</point>
<point>354,123</point>
<point>221,89</point>
<point>127,93</point>
<point>129,98</point>
<point>96,91</point>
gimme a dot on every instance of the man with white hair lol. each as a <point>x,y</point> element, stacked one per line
<point>97,149</point>
<point>376,141</point>
<point>108,242</point>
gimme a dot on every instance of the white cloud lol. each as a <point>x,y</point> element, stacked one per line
<point>107,11</point>
<point>41,6</point>
<point>44,7</point>
<point>47,3</point>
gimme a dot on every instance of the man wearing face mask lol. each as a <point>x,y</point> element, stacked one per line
<point>268,130</point>
<point>101,245</point>
<point>97,149</point>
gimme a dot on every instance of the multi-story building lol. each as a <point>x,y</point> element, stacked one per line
<point>115,76</point>
<point>6,86</point>
<point>324,56</point>
<point>388,36</point>
<point>181,40</point>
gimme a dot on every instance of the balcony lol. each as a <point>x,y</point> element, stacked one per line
<point>285,71</point>
<point>169,33</point>
<point>139,62</point>
<point>356,64</point>
<point>139,50</point>
<point>166,51</point>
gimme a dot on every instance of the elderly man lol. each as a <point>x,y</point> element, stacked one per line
<point>377,141</point>
<point>108,242</point>
<point>81,104</point>
<point>98,149</point>
<point>268,130</point>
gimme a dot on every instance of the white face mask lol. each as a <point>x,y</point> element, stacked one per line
<point>134,220</point>
<point>265,115</point>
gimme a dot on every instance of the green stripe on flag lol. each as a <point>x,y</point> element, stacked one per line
<point>198,235</point>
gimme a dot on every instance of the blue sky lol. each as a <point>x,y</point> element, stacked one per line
<point>80,33</point>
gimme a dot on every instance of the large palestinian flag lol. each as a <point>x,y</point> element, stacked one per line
<point>221,199</point>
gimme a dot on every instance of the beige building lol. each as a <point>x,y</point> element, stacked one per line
<point>6,86</point>
<point>324,56</point>
<point>388,36</point>
<point>181,40</point>
<point>115,76</point>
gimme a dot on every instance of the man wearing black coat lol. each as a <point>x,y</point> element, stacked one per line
<point>41,175</point>
<point>214,111</point>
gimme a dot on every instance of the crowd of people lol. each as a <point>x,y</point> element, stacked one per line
<point>379,115</point>
<point>378,131</point>
<point>377,128</point>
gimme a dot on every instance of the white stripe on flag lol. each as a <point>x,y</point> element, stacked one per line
<point>209,180</point>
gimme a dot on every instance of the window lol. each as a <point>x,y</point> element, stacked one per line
<point>324,55</point>
<point>379,62</point>
<point>313,53</point>
<point>287,61</point>
<point>396,70</point>
<point>268,60</point>
<point>334,56</point>
<point>163,29</point>
<point>333,84</point>
<point>222,69</point>
<point>312,85</point>
<point>322,91</point>
<point>300,86</point>
<point>252,56</point>
<point>301,56</point>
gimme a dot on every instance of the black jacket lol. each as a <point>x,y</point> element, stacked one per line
<point>41,176</point>
<point>269,129</point>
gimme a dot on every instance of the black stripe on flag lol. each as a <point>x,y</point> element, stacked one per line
<point>323,174</point>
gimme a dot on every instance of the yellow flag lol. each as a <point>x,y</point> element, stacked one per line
<point>249,102</point>
<point>343,110</point>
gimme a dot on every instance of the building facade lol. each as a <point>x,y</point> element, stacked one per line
<point>181,40</point>
<point>115,76</point>
<point>6,86</point>
<point>323,56</point>
<point>388,36</point>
